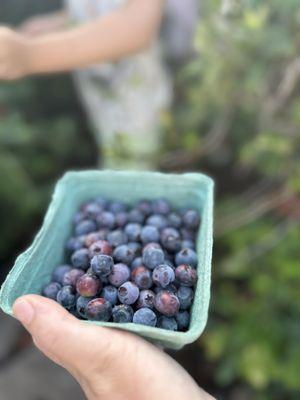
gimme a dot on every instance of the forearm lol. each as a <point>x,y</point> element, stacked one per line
<point>109,38</point>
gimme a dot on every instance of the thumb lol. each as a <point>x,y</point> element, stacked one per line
<point>60,336</point>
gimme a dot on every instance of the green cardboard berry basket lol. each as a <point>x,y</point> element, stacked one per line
<point>33,268</point>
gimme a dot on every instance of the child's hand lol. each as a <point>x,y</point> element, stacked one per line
<point>108,363</point>
<point>14,55</point>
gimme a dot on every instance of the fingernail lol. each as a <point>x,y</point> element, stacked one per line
<point>23,311</point>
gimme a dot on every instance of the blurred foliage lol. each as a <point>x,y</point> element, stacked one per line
<point>236,115</point>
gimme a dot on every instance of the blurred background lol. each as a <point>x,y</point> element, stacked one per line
<point>235,116</point>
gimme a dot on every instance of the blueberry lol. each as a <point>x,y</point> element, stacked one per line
<point>136,262</point>
<point>100,247</point>
<point>174,220</point>
<point>152,257</point>
<point>159,221</point>
<point>110,293</point>
<point>133,231</point>
<point>167,323</point>
<point>70,277</point>
<point>81,304</point>
<point>120,273</point>
<point>58,273</point>
<point>153,245</point>
<point>121,219</point>
<point>187,234</point>
<point>163,275</point>
<point>146,299</point>
<point>84,227</point>
<point>75,243</point>
<point>188,244</point>
<point>123,254</point>
<point>186,256</point>
<point>122,313</point>
<point>117,206</point>
<point>106,220</point>
<point>78,217</point>
<point>66,297</point>
<point>141,276</point>
<point>103,203</point>
<point>145,316</point>
<point>88,285</point>
<point>92,209</point>
<point>81,259</point>
<point>161,206</point>
<point>102,265</point>
<point>117,237</point>
<point>149,234</point>
<point>170,239</point>
<point>169,262</point>
<point>186,275</point>
<point>145,207</point>
<point>191,219</point>
<point>183,320</point>
<point>93,237</point>
<point>166,303</point>
<point>98,310</point>
<point>136,248</point>
<point>136,216</point>
<point>185,296</point>
<point>51,290</point>
<point>128,293</point>
<point>170,288</point>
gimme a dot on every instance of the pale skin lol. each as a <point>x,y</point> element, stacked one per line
<point>35,49</point>
<point>107,363</point>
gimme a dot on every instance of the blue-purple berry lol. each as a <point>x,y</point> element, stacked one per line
<point>159,221</point>
<point>121,219</point>
<point>102,265</point>
<point>136,248</point>
<point>161,206</point>
<point>144,206</point>
<point>163,275</point>
<point>100,247</point>
<point>84,227</point>
<point>166,303</point>
<point>106,220</point>
<point>51,290</point>
<point>117,206</point>
<point>59,272</point>
<point>128,293</point>
<point>152,257</point>
<point>81,304</point>
<point>133,231</point>
<point>188,244</point>
<point>136,216</point>
<point>88,285</point>
<point>117,238</point>
<point>110,293</point>
<point>149,234</point>
<point>75,243</point>
<point>122,314</point>
<point>186,275</point>
<point>170,239</point>
<point>120,273</point>
<point>186,256</point>
<point>71,277</point>
<point>185,296</point>
<point>141,276</point>
<point>123,254</point>
<point>191,219</point>
<point>183,320</point>
<point>136,262</point>
<point>145,316</point>
<point>99,309</point>
<point>146,299</point>
<point>66,297</point>
<point>167,323</point>
<point>174,220</point>
<point>81,259</point>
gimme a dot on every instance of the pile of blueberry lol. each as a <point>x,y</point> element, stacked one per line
<point>127,264</point>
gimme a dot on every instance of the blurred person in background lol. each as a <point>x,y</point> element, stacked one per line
<point>113,48</point>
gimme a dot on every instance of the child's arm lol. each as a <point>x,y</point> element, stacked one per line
<point>118,34</point>
<point>42,24</point>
